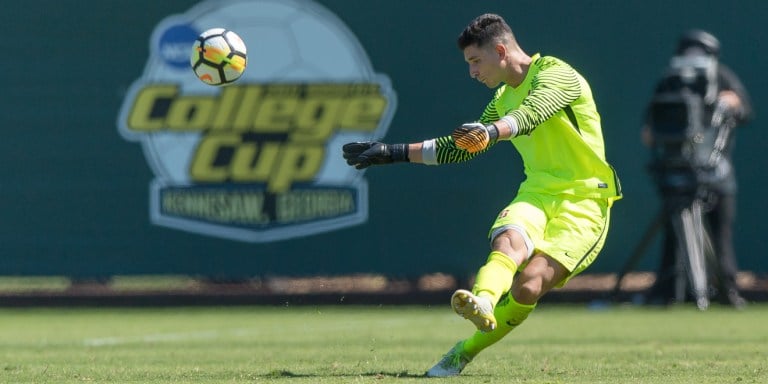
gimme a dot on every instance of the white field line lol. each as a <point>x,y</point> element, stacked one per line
<point>163,337</point>
<point>239,332</point>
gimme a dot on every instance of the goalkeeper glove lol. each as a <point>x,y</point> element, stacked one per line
<point>363,154</point>
<point>474,137</point>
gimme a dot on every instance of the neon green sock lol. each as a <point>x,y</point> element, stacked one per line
<point>509,314</point>
<point>495,277</point>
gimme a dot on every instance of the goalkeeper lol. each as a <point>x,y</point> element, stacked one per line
<point>556,225</point>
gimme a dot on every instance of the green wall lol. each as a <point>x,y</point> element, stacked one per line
<point>75,194</point>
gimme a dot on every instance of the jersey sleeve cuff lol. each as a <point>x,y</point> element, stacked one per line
<point>429,152</point>
<point>512,122</point>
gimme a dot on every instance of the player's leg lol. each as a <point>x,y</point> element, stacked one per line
<point>575,235</point>
<point>510,314</point>
<point>491,282</point>
<point>540,275</point>
<point>511,245</point>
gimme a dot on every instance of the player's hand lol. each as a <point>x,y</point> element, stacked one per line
<point>363,154</point>
<point>474,137</point>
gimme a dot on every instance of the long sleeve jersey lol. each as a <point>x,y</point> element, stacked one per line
<point>560,137</point>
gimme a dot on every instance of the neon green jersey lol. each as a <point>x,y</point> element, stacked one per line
<point>560,138</point>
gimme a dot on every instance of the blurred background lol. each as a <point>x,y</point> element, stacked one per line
<point>77,196</point>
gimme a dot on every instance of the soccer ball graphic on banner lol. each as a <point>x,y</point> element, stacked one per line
<point>218,56</point>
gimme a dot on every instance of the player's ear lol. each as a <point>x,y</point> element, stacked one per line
<point>501,51</point>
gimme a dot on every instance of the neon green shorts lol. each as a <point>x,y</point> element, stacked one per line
<point>569,229</point>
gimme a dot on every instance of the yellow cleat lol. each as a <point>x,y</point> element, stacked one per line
<point>476,309</point>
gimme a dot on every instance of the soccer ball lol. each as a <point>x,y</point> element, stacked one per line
<point>218,56</point>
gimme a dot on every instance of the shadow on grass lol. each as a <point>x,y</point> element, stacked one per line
<point>288,374</point>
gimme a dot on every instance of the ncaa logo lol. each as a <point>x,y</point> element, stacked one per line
<point>258,160</point>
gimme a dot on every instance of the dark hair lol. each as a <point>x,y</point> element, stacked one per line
<point>483,30</point>
<point>697,38</point>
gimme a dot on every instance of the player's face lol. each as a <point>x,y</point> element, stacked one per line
<point>484,64</point>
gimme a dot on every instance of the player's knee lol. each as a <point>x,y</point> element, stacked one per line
<point>502,241</point>
<point>512,244</point>
<point>529,287</point>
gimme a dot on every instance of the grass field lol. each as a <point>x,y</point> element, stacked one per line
<point>558,344</point>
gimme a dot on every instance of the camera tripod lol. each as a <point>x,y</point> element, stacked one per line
<point>687,197</point>
<point>694,250</point>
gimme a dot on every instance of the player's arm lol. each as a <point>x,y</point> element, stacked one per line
<point>436,151</point>
<point>463,144</point>
<point>552,89</point>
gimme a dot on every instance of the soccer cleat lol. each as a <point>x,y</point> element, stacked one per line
<point>476,309</point>
<point>451,364</point>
